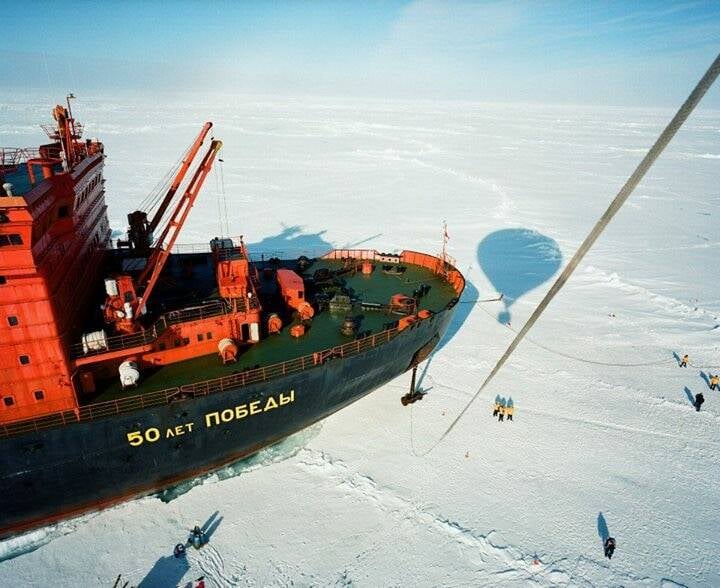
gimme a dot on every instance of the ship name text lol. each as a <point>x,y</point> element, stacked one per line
<point>239,412</point>
<point>243,410</point>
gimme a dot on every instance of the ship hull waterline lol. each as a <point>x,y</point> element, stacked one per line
<point>58,473</point>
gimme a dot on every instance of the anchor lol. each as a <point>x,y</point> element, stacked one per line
<point>413,395</point>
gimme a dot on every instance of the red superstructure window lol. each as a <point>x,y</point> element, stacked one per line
<point>8,400</point>
<point>24,359</point>
<point>3,280</point>
<point>12,239</point>
<point>39,395</point>
<point>13,321</point>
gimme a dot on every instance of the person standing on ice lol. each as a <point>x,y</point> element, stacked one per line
<point>198,538</point>
<point>509,409</point>
<point>609,547</point>
<point>501,413</point>
<point>714,381</point>
<point>699,399</point>
<point>497,406</point>
<point>684,360</point>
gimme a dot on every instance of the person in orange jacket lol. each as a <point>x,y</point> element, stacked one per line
<point>509,411</point>
<point>684,360</point>
<point>714,381</point>
<point>499,403</point>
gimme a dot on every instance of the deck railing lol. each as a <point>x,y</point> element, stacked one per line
<point>247,377</point>
<point>148,336</point>
<point>230,382</point>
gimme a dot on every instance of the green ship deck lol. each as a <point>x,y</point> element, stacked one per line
<point>324,332</point>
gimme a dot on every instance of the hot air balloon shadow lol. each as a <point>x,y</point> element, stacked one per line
<point>517,261</point>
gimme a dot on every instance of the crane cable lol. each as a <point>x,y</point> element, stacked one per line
<point>665,137</point>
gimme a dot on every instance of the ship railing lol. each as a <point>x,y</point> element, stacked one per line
<point>233,381</point>
<point>185,315</point>
<point>149,336</point>
<point>12,157</point>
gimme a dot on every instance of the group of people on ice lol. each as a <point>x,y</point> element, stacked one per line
<point>503,408</point>
<point>713,383</point>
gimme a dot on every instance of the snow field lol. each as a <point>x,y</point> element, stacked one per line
<point>354,501</point>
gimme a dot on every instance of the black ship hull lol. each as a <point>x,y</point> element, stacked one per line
<point>56,473</point>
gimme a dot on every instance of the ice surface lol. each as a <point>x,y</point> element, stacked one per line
<point>354,502</point>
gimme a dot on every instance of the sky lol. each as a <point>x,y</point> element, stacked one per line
<point>625,53</point>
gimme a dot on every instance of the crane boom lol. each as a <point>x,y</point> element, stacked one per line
<point>160,254</point>
<point>140,230</point>
<point>179,177</point>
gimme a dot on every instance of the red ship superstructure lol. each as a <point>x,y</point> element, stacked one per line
<point>53,232</point>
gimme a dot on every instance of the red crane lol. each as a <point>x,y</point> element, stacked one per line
<point>140,230</point>
<point>123,306</point>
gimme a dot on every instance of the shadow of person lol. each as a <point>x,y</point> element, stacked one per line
<point>167,571</point>
<point>705,377</point>
<point>677,357</point>
<point>211,525</point>
<point>517,261</point>
<point>602,528</point>
<point>689,395</point>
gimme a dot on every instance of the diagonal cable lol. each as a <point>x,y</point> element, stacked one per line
<point>672,128</point>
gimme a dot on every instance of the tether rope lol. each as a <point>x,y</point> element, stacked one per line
<point>665,137</point>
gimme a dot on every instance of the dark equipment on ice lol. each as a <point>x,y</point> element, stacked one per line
<point>413,395</point>
<point>198,538</point>
<point>179,550</point>
<point>609,547</point>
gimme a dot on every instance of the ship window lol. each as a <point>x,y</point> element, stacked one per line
<point>16,239</point>
<point>39,395</point>
<point>161,346</point>
<point>200,337</point>
<point>300,294</point>
<point>13,321</point>
<point>3,280</point>
<point>177,342</point>
<point>208,335</point>
<point>63,211</point>
<point>186,340</point>
<point>8,400</point>
<point>24,359</point>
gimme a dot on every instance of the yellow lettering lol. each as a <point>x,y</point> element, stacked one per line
<point>135,438</point>
<point>287,399</point>
<point>270,404</point>
<point>169,433</point>
<point>241,411</point>
<point>210,416</point>
<point>189,426</point>
<point>227,415</point>
<point>152,435</point>
<point>255,407</point>
<point>179,430</point>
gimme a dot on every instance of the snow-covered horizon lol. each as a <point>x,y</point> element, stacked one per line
<point>354,500</point>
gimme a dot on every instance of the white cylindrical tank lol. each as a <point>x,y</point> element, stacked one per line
<point>129,374</point>
<point>111,287</point>
<point>254,332</point>
<point>128,310</point>
<point>95,341</point>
